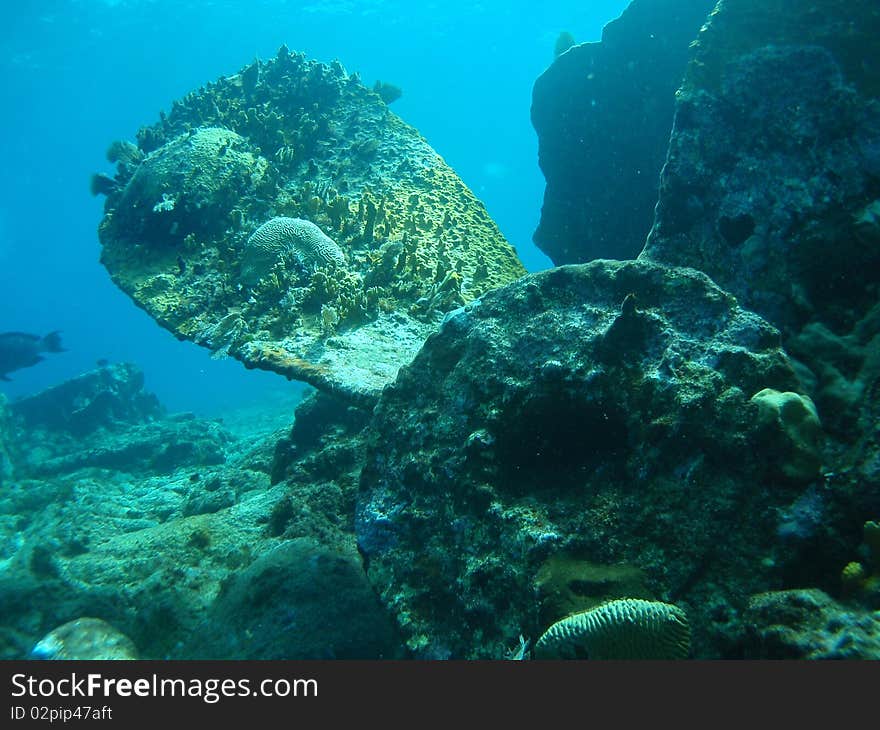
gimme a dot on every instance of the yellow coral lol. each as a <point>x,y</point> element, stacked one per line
<point>853,577</point>
<point>856,578</point>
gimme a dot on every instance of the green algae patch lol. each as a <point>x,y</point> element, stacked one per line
<point>211,223</point>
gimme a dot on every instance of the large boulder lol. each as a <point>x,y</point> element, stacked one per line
<point>299,600</point>
<point>603,112</point>
<point>588,429</point>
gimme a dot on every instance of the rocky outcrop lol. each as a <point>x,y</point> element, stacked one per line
<point>603,112</point>
<point>772,176</point>
<point>771,187</point>
<point>290,139</point>
<point>110,397</point>
<point>104,419</point>
<point>594,414</point>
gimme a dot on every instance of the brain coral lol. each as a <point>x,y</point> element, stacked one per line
<point>282,236</point>
<point>188,185</point>
<point>629,628</point>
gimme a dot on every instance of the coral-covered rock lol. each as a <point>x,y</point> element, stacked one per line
<point>603,112</point>
<point>770,187</point>
<point>598,412</point>
<point>792,418</point>
<point>766,173</point>
<point>809,624</point>
<point>188,186</point>
<point>293,139</point>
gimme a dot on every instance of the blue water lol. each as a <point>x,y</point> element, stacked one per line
<point>81,73</point>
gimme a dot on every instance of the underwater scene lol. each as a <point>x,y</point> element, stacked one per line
<point>371,329</point>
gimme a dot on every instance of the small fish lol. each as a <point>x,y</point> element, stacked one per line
<point>21,350</point>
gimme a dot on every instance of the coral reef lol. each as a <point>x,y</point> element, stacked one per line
<point>650,457</point>
<point>602,112</point>
<point>628,628</point>
<point>291,138</point>
<point>598,413</point>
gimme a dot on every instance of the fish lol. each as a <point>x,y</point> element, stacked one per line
<point>22,350</point>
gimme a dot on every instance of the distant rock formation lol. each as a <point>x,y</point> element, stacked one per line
<point>109,397</point>
<point>603,112</point>
<point>772,185</point>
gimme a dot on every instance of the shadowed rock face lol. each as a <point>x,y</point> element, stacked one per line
<point>293,139</point>
<point>597,413</point>
<point>774,155</point>
<point>772,185</point>
<point>603,112</point>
